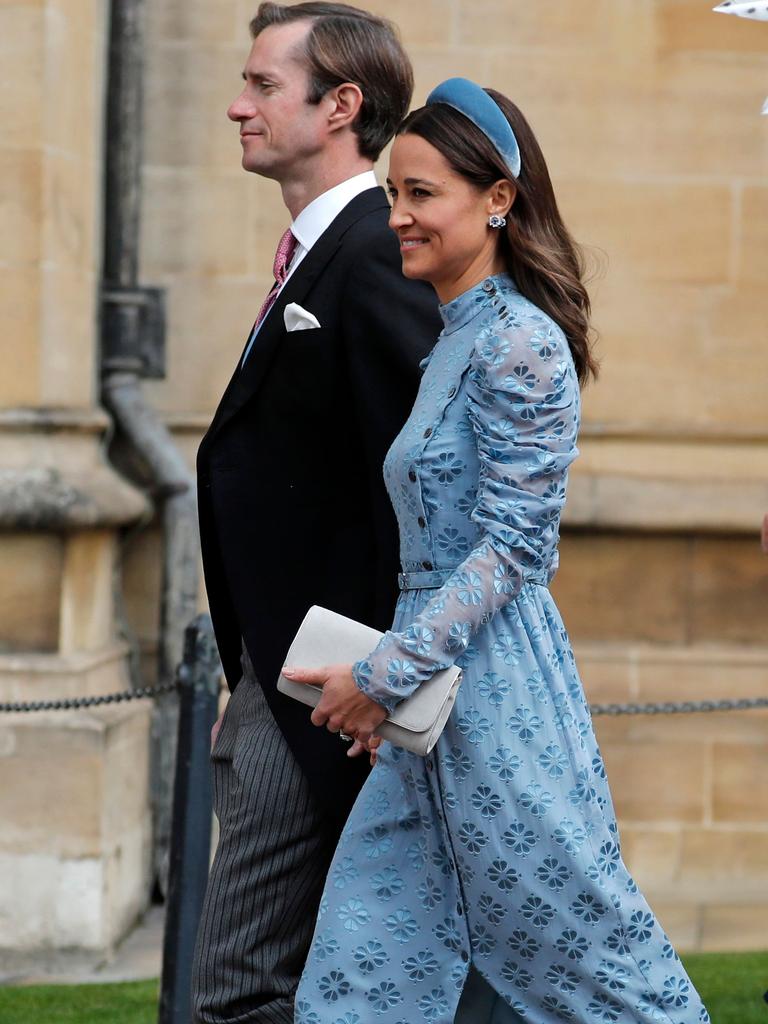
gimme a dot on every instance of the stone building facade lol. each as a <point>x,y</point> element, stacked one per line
<point>647,111</point>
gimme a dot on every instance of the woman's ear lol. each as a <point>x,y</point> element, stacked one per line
<point>346,100</point>
<point>501,196</point>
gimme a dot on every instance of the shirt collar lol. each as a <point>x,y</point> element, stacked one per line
<point>321,212</point>
<point>459,311</point>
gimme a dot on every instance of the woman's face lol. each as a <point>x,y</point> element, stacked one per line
<point>441,219</point>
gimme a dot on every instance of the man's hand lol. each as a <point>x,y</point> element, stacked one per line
<point>215,729</point>
<point>343,707</point>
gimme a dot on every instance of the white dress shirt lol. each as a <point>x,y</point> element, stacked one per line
<point>313,221</point>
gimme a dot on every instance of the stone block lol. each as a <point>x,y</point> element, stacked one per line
<point>680,919</point>
<point>652,855</point>
<point>621,587</point>
<point>75,53</point>
<point>725,856</point>
<point>603,27</point>
<point>76,811</point>
<point>127,874</point>
<point>701,672</point>
<point>434,64</point>
<point>734,926</point>
<point>650,332</point>
<point>71,207</point>
<point>700,729</point>
<point>587,113</point>
<point>141,566</point>
<point>656,231</point>
<point>188,90</point>
<point>127,749</point>
<point>52,796</point>
<point>29,591</point>
<point>52,902</point>
<point>657,781</point>
<point>753,236</point>
<point>625,501</point>
<point>26,676</point>
<point>195,221</point>
<point>714,457</point>
<point>21,207</point>
<point>739,786</point>
<point>699,106</point>
<point>197,21</point>
<point>87,594</point>
<point>607,674</point>
<point>729,591</point>
<point>685,25</point>
<point>430,23</point>
<point>67,337</point>
<point>736,339</point>
<point>21,73</point>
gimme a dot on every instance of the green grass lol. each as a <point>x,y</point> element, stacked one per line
<point>731,985</point>
<point>133,1002</point>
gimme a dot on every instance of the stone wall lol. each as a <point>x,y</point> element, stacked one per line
<point>648,113</point>
<point>74,804</point>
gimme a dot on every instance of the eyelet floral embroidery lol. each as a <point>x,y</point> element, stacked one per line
<point>501,849</point>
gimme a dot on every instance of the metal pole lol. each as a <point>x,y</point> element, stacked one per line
<point>191,830</point>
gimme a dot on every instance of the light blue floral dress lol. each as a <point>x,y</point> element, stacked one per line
<point>500,848</point>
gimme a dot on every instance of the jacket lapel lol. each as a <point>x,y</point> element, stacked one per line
<point>246,380</point>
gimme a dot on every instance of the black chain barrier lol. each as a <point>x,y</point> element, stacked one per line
<point>665,708</point>
<point>69,703</point>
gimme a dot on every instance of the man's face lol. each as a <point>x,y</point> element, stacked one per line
<point>279,130</point>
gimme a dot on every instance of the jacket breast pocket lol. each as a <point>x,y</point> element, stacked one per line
<point>304,367</point>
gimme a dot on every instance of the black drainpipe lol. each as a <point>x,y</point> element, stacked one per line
<point>132,348</point>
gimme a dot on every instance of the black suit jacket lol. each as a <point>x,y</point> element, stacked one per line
<point>293,510</point>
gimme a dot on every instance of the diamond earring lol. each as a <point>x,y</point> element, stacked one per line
<point>495,221</point>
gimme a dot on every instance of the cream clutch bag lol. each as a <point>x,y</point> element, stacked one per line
<point>325,638</point>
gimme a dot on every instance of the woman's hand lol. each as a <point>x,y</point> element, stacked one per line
<point>342,707</point>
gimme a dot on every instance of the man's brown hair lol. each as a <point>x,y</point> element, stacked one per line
<point>345,44</point>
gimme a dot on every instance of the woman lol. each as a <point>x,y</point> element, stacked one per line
<point>500,848</point>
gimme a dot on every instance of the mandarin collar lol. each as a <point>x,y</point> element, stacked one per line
<point>465,307</point>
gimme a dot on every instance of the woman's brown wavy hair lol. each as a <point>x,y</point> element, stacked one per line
<point>541,257</point>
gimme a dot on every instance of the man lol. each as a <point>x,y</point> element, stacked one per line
<point>293,510</point>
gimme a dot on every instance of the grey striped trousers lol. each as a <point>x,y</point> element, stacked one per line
<point>268,873</point>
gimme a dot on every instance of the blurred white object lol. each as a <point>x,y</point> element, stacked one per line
<point>757,10</point>
<point>765,108</point>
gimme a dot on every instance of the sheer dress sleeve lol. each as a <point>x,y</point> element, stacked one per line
<point>523,403</point>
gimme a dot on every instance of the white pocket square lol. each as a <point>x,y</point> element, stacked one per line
<point>298,319</point>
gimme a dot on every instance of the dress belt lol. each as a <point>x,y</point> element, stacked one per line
<point>435,578</point>
<point>427,580</point>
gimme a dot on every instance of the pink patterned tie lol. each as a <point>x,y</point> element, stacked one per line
<point>285,250</point>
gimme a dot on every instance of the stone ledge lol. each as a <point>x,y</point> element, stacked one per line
<point>638,478</point>
<point>698,925</point>
<point>53,474</point>
<point>53,419</point>
<point>43,498</point>
<point>614,501</point>
<point>30,677</point>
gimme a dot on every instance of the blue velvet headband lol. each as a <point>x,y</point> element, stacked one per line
<point>475,103</point>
